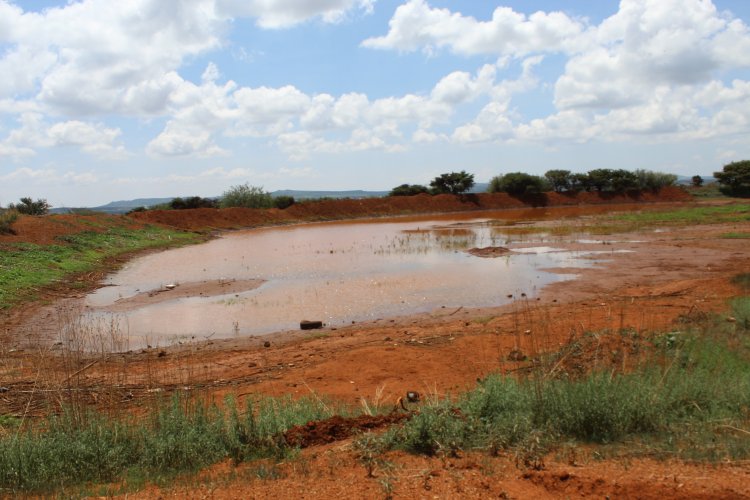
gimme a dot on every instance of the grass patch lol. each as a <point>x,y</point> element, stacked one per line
<point>699,386</point>
<point>180,436</point>
<point>26,267</point>
<point>736,236</point>
<point>689,216</point>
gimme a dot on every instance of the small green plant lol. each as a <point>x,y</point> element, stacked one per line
<point>7,218</point>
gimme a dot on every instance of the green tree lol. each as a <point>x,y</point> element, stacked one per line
<point>244,195</point>
<point>452,183</point>
<point>558,179</point>
<point>518,183</point>
<point>623,180</point>
<point>735,178</point>
<point>601,179</point>
<point>580,182</point>
<point>408,190</point>
<point>27,206</point>
<point>697,181</point>
<point>192,202</point>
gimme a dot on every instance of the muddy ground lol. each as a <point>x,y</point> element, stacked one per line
<point>671,276</point>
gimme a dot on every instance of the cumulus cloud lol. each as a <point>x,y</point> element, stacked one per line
<point>93,138</point>
<point>416,25</point>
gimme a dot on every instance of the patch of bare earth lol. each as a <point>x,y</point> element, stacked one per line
<point>668,276</point>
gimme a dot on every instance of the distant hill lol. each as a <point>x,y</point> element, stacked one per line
<point>124,206</point>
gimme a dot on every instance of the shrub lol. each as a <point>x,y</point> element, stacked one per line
<point>452,183</point>
<point>283,202</point>
<point>697,181</point>
<point>29,207</point>
<point>247,196</point>
<point>408,190</point>
<point>192,202</point>
<point>7,218</point>
<point>656,180</point>
<point>735,178</point>
<point>518,183</point>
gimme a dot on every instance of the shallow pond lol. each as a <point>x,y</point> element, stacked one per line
<point>272,278</point>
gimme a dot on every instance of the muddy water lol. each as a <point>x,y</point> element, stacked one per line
<point>334,272</point>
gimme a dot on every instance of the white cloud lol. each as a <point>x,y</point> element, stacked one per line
<point>649,44</point>
<point>415,25</point>
<point>286,13</point>
<point>95,139</point>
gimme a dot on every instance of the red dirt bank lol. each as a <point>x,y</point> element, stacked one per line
<point>230,218</point>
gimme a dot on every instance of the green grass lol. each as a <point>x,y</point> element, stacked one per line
<point>181,436</point>
<point>689,216</point>
<point>736,236</point>
<point>702,386</point>
<point>26,267</point>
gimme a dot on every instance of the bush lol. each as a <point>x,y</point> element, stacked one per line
<point>7,218</point>
<point>654,181</point>
<point>735,178</point>
<point>452,183</point>
<point>697,181</point>
<point>408,190</point>
<point>247,196</point>
<point>192,202</point>
<point>518,183</point>
<point>283,202</point>
<point>29,207</point>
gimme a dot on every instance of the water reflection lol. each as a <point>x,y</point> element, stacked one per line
<point>335,272</point>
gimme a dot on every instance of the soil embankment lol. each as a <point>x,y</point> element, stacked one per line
<point>231,218</point>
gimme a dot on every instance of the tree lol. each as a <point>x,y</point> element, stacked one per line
<point>192,202</point>
<point>518,183</point>
<point>452,183</point>
<point>29,207</point>
<point>559,179</point>
<point>580,182</point>
<point>244,195</point>
<point>600,179</point>
<point>408,190</point>
<point>623,180</point>
<point>697,181</point>
<point>735,178</point>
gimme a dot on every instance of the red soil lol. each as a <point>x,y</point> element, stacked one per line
<point>673,276</point>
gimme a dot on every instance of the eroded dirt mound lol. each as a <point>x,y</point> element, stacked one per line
<point>229,218</point>
<point>338,428</point>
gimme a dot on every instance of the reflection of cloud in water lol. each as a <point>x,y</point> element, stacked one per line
<point>337,273</point>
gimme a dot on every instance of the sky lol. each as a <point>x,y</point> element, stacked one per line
<point>104,101</point>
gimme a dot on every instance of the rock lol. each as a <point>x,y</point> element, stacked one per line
<point>517,355</point>
<point>310,325</point>
<point>266,344</point>
<point>488,252</point>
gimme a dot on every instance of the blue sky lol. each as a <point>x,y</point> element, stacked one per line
<point>102,101</point>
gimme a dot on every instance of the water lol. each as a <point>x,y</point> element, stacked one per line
<point>334,272</point>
